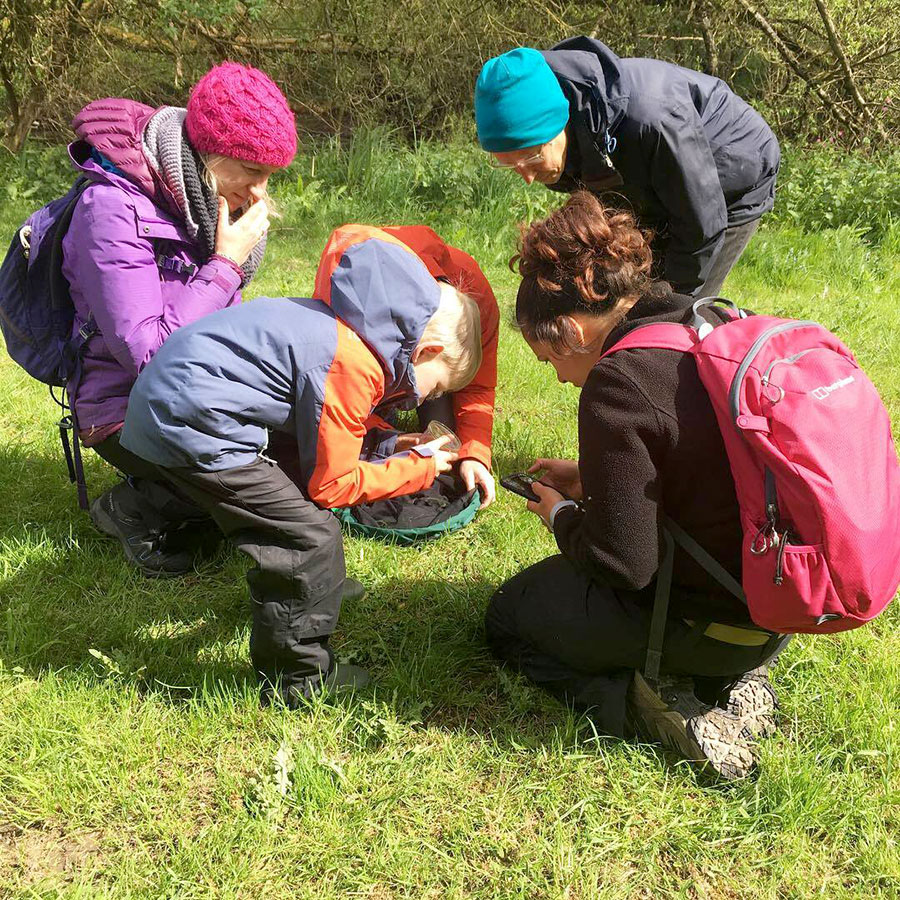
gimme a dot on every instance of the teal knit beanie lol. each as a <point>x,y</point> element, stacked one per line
<point>518,102</point>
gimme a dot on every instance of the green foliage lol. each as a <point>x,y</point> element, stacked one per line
<point>411,64</point>
<point>825,187</point>
<point>375,175</point>
<point>450,186</point>
<point>34,176</point>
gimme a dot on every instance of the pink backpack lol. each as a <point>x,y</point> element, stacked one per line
<point>814,465</point>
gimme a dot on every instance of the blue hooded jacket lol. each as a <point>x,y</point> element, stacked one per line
<point>213,390</point>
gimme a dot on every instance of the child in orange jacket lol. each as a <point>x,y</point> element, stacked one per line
<point>468,411</point>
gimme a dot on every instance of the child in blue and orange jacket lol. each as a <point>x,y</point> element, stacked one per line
<point>202,410</point>
<point>469,411</point>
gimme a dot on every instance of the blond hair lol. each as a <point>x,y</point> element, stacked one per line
<point>456,326</point>
<point>210,162</point>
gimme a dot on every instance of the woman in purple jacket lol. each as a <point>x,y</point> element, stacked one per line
<point>172,226</point>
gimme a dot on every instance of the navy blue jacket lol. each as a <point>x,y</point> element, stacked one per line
<point>312,368</point>
<point>689,156</point>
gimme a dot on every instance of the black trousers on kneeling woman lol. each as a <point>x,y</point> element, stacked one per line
<point>581,641</point>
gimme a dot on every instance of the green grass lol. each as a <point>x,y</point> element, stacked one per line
<point>136,763</point>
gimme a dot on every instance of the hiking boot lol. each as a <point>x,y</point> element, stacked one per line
<point>344,677</point>
<point>353,590</point>
<point>706,735</point>
<point>341,677</point>
<point>114,515</point>
<point>753,700</point>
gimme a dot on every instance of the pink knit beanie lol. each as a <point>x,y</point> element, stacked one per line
<point>238,111</point>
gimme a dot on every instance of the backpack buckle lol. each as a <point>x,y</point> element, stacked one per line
<point>25,240</point>
<point>174,264</point>
<point>88,330</point>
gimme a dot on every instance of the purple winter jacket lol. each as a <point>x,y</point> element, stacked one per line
<point>120,227</point>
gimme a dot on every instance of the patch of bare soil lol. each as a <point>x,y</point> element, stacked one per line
<point>34,854</point>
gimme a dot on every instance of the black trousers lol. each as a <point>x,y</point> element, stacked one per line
<point>297,582</point>
<point>736,239</point>
<point>157,502</point>
<point>582,642</point>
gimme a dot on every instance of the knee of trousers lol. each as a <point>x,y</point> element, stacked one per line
<point>500,621</point>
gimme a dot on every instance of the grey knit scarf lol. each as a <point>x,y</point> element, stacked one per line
<point>179,165</point>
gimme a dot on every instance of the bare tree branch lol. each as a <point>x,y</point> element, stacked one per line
<point>701,16</point>
<point>844,63</point>
<point>795,65</point>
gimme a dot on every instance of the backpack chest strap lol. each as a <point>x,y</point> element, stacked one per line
<point>174,264</point>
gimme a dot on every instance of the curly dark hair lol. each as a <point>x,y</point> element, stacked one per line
<point>584,257</point>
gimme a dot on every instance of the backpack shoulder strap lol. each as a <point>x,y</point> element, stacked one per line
<point>59,289</point>
<point>661,335</point>
<point>60,296</point>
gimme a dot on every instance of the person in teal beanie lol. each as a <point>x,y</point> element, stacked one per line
<point>518,80</point>
<point>693,161</point>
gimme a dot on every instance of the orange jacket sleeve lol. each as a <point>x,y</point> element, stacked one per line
<point>353,386</point>
<point>474,404</point>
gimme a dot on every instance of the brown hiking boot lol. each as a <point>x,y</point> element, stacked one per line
<point>714,739</point>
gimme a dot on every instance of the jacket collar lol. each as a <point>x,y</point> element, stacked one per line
<point>115,127</point>
<point>669,307</point>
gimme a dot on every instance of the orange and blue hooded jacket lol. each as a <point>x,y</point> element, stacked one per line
<point>473,406</point>
<point>312,369</point>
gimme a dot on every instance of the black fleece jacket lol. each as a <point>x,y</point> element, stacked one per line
<point>649,442</point>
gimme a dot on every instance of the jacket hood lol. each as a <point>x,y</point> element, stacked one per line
<point>383,291</point>
<point>428,246</point>
<point>593,80</point>
<point>115,128</point>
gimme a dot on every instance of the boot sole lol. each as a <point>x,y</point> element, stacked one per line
<point>104,523</point>
<point>757,707</point>
<point>713,740</point>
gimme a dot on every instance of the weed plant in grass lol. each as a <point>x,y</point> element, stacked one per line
<point>136,763</point>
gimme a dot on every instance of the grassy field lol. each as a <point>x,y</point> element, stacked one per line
<point>136,763</point>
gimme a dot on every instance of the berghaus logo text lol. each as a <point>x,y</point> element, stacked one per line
<point>821,393</point>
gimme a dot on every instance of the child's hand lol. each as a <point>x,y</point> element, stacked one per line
<point>409,440</point>
<point>561,474</point>
<point>443,459</point>
<point>477,473</point>
<point>235,241</point>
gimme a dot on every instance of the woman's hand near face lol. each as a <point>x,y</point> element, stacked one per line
<point>236,240</point>
<point>549,498</point>
<point>561,474</point>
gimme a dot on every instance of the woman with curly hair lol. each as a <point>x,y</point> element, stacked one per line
<point>578,623</point>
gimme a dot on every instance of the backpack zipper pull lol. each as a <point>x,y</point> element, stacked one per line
<point>779,560</point>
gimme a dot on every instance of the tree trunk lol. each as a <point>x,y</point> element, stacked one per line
<point>701,16</point>
<point>21,113</point>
